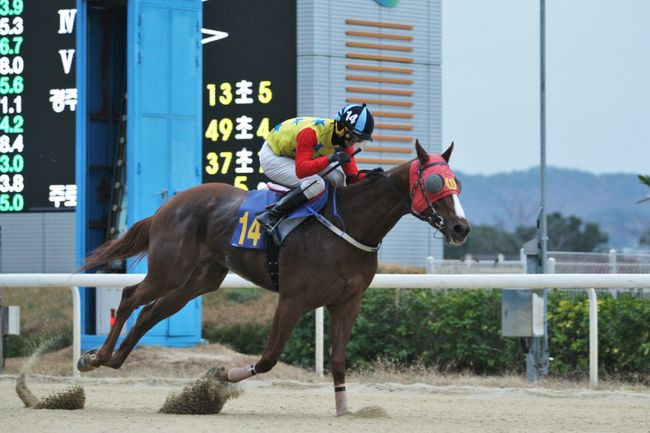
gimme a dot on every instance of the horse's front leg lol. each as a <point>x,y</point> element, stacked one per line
<point>287,314</point>
<point>342,318</point>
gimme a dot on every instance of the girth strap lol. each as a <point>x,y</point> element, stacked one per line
<point>272,255</point>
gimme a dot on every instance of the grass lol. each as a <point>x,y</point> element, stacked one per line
<point>45,314</point>
<point>41,309</point>
<point>392,268</point>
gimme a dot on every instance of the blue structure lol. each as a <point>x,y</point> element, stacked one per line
<point>151,51</point>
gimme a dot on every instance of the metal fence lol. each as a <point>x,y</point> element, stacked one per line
<point>560,262</point>
<point>475,265</point>
<point>600,263</point>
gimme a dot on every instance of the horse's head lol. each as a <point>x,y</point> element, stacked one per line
<point>434,191</point>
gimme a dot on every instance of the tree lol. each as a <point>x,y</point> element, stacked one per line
<point>646,181</point>
<point>567,234</point>
<point>644,240</point>
<point>645,236</point>
<point>486,240</point>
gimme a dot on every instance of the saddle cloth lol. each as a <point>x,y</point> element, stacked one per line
<point>250,234</point>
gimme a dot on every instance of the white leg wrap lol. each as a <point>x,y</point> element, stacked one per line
<point>240,373</point>
<point>341,400</point>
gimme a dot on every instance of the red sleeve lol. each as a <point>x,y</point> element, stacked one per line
<point>350,169</point>
<point>305,165</point>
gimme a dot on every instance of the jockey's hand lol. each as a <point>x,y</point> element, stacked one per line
<point>341,157</point>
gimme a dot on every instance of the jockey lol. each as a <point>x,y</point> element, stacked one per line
<point>298,150</point>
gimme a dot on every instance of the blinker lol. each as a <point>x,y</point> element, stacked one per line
<point>434,183</point>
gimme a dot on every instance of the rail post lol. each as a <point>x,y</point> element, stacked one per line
<point>76,330</point>
<point>593,337</point>
<point>319,342</point>
<point>431,266</point>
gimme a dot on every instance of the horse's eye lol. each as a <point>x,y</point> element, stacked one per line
<point>434,184</point>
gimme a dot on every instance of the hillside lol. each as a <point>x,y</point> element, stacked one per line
<point>511,199</point>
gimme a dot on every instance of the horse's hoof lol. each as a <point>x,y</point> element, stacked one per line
<point>218,373</point>
<point>83,364</point>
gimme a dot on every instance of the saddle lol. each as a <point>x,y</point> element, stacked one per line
<point>250,234</point>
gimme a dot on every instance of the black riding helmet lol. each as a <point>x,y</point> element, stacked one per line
<point>358,120</point>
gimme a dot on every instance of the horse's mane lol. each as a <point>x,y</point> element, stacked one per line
<point>372,176</point>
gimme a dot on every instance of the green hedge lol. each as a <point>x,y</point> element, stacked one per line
<point>244,338</point>
<point>461,331</point>
<point>623,335</point>
<point>458,330</point>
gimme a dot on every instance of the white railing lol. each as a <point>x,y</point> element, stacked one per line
<point>566,262</point>
<point>381,281</point>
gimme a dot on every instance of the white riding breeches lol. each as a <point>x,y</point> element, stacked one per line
<point>282,170</point>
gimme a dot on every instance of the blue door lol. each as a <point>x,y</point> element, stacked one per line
<point>164,77</point>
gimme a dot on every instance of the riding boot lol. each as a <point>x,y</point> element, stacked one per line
<point>271,217</point>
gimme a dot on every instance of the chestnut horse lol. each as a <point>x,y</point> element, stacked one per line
<point>187,242</point>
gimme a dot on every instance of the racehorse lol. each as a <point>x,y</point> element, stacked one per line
<point>187,243</point>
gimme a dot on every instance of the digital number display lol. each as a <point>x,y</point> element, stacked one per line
<point>249,84</point>
<point>37,103</point>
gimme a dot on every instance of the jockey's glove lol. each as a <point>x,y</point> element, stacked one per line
<point>341,157</point>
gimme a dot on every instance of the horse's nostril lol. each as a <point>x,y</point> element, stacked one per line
<point>460,229</point>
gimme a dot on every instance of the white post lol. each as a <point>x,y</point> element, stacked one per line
<point>612,261</point>
<point>593,337</point>
<point>76,330</point>
<point>431,267</point>
<point>522,259</point>
<point>550,265</point>
<point>613,269</point>
<point>319,341</point>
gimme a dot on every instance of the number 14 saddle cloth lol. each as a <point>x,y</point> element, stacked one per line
<point>250,234</point>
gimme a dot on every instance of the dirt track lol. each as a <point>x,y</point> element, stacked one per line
<point>289,399</point>
<point>122,404</point>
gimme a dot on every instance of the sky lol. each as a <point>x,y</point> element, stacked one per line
<point>597,84</point>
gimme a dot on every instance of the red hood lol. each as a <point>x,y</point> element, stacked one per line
<point>418,203</point>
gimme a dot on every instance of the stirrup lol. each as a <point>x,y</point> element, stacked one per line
<point>268,227</point>
<point>272,230</point>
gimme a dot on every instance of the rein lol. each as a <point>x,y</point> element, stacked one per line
<point>435,219</point>
<point>341,233</point>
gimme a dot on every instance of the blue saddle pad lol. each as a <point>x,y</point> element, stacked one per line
<point>250,234</point>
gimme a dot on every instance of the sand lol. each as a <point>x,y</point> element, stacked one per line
<point>129,404</point>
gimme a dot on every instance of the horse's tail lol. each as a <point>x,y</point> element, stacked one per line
<point>134,242</point>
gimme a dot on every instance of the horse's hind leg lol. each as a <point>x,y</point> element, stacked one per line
<point>132,297</point>
<point>202,281</point>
